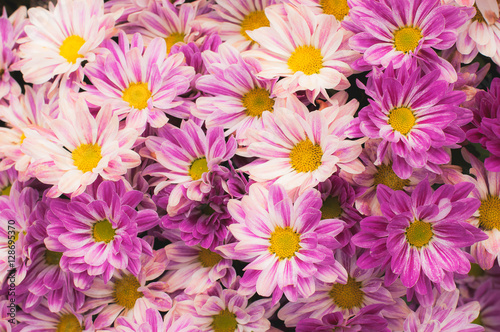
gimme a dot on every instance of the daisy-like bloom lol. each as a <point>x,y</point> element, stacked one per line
<point>232,19</point>
<point>416,114</point>
<point>127,295</point>
<point>309,51</point>
<point>196,269</point>
<point>100,235</point>
<point>485,122</point>
<point>234,97</point>
<point>367,319</point>
<point>419,237</point>
<point>79,148</point>
<point>152,320</point>
<point>138,83</point>
<point>482,32</point>
<point>185,156</point>
<point>399,31</point>
<point>299,152</point>
<point>489,301</point>
<point>31,110</point>
<point>59,39</point>
<point>42,319</point>
<point>444,315</point>
<point>361,289</point>
<point>287,244</point>
<point>162,19</point>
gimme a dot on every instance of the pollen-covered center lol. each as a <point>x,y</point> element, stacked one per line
<point>489,213</point>
<point>347,296</point>
<point>252,21</point>
<point>285,242</point>
<point>419,233</point>
<point>208,258</point>
<point>385,175</point>
<point>52,257</point>
<point>69,323</point>
<point>137,95</point>
<point>86,157</point>
<point>331,208</point>
<point>6,190</point>
<point>406,39</point>
<point>173,39</point>
<point>306,156</point>
<point>307,59</point>
<point>479,16</point>
<point>256,101</point>
<point>224,321</point>
<point>198,167</point>
<point>125,291</point>
<point>401,119</point>
<point>103,231</point>
<point>70,47</point>
<point>337,8</point>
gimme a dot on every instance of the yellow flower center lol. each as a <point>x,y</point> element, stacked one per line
<point>103,231</point>
<point>137,95</point>
<point>173,39</point>
<point>285,242</point>
<point>69,323</point>
<point>478,17</point>
<point>306,156</point>
<point>385,175</point>
<point>476,270</point>
<point>489,213</point>
<point>6,190</point>
<point>198,167</point>
<point>52,257</point>
<point>331,208</point>
<point>224,321</point>
<point>252,21</point>
<point>401,119</point>
<point>256,101</point>
<point>125,291</point>
<point>86,157</point>
<point>70,47</point>
<point>347,296</point>
<point>419,233</point>
<point>478,320</point>
<point>208,258</point>
<point>337,8</point>
<point>406,39</point>
<point>307,59</point>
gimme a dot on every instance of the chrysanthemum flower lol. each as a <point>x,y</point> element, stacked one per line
<point>419,237</point>
<point>287,244</point>
<point>61,38</point>
<point>185,156</point>
<point>309,51</point>
<point>445,315</point>
<point>416,114</point>
<point>79,148</point>
<point>138,83</point>
<point>399,30</point>
<point>299,152</point>
<point>232,19</point>
<point>152,320</point>
<point>100,235</point>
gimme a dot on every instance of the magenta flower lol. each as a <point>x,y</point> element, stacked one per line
<point>419,237</point>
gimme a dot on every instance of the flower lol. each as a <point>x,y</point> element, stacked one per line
<point>419,118</point>
<point>337,8</point>
<point>310,51</point>
<point>398,31</point>
<point>286,242</point>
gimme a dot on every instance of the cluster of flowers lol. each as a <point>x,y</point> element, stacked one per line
<point>198,166</point>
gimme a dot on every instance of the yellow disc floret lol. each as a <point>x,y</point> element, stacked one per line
<point>198,167</point>
<point>331,208</point>
<point>86,157</point>
<point>306,156</point>
<point>337,8</point>
<point>385,175</point>
<point>347,296</point>
<point>208,258</point>
<point>401,119</point>
<point>419,233</point>
<point>252,21</point>
<point>6,190</point>
<point>489,213</point>
<point>173,39</point>
<point>52,257</point>
<point>69,323</point>
<point>224,321</point>
<point>70,47</point>
<point>103,231</point>
<point>307,59</point>
<point>137,95</point>
<point>125,291</point>
<point>285,242</point>
<point>406,39</point>
<point>479,16</point>
<point>256,101</point>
